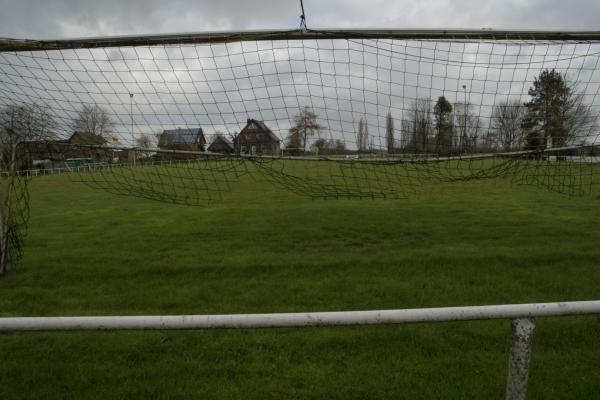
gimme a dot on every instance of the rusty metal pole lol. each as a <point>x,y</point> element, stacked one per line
<point>3,226</point>
<point>5,261</point>
<point>519,359</point>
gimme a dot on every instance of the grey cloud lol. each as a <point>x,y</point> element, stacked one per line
<point>76,18</point>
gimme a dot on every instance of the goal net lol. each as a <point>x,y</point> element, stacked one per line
<point>326,114</point>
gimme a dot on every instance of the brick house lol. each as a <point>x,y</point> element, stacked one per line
<point>256,139</point>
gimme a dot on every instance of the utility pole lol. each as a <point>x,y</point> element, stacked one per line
<point>464,127</point>
<point>131,116</point>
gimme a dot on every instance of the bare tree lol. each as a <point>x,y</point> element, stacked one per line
<point>507,118</point>
<point>368,144</point>
<point>332,146</point>
<point>94,119</point>
<point>145,141</point>
<point>293,143</point>
<point>419,114</point>
<point>305,126</point>
<point>362,137</point>
<point>389,132</point>
<point>469,125</point>
<point>405,133</point>
<point>20,123</point>
<point>578,119</point>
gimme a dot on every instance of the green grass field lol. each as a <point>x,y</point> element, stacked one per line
<point>262,249</point>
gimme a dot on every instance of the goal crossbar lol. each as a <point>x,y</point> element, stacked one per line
<point>307,319</point>
<point>12,44</point>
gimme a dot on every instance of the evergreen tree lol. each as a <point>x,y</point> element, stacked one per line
<point>442,112</point>
<point>555,115</point>
<point>362,137</point>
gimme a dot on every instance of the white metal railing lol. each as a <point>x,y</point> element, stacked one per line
<point>522,316</point>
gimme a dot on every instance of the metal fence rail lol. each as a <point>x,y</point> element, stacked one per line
<point>522,316</point>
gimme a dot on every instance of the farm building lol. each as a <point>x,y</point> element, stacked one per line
<point>221,144</point>
<point>54,153</point>
<point>256,139</point>
<point>86,138</point>
<point>94,154</point>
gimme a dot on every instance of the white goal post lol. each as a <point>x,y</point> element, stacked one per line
<point>7,44</point>
<point>522,316</point>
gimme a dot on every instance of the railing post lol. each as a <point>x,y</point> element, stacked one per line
<point>520,357</point>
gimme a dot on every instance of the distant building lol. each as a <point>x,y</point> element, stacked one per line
<point>95,153</point>
<point>45,154</point>
<point>182,140</point>
<point>86,138</point>
<point>256,139</point>
<point>221,144</point>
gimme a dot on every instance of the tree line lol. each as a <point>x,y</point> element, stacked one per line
<point>555,116</point>
<point>34,122</point>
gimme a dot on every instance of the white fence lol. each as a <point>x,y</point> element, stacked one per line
<point>522,316</point>
<point>93,167</point>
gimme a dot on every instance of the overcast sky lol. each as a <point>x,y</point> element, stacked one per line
<point>79,18</point>
<point>218,87</point>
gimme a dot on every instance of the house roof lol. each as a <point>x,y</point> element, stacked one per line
<point>262,127</point>
<point>222,139</point>
<point>88,138</point>
<point>182,136</point>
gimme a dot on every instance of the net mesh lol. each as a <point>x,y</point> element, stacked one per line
<point>332,116</point>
